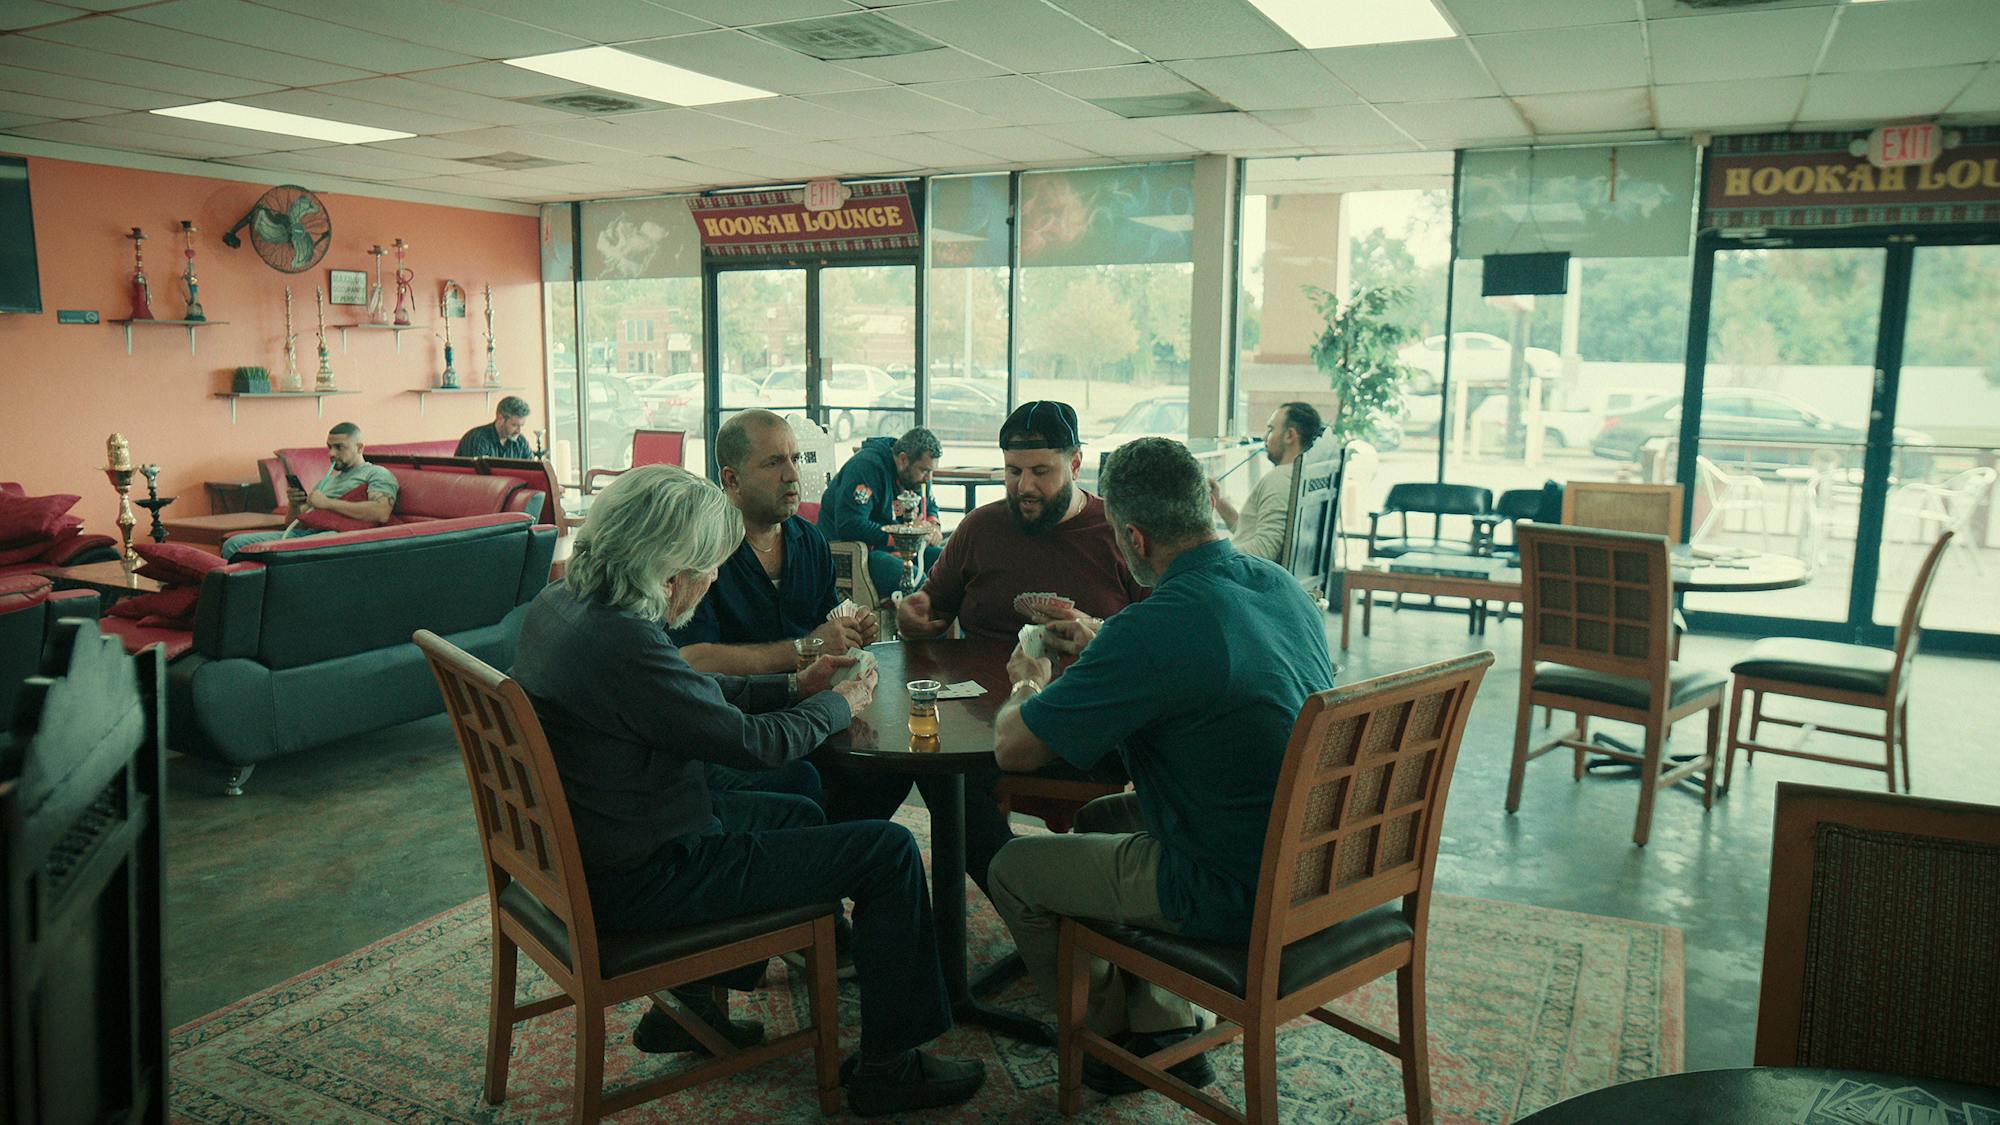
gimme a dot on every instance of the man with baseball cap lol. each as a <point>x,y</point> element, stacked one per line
<point>1047,536</point>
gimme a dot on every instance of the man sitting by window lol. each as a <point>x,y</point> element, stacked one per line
<point>1197,689</point>
<point>501,439</point>
<point>353,494</point>
<point>862,500</point>
<point>1046,536</point>
<point>631,725</point>
<point>1260,527</point>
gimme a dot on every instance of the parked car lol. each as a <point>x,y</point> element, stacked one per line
<point>615,411</point>
<point>1745,418</point>
<point>852,391</point>
<point>1561,429</point>
<point>1166,415</point>
<point>1478,358</point>
<point>960,410</point>
<point>681,400</point>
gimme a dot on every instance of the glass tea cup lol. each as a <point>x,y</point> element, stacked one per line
<point>924,715</point>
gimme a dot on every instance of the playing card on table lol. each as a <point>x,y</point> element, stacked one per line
<point>964,689</point>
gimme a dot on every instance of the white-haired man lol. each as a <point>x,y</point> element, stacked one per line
<point>631,727</point>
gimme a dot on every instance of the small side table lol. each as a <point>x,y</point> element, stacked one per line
<point>228,496</point>
<point>109,579</point>
<point>213,531</point>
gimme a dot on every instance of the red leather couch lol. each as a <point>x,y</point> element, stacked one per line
<point>432,486</point>
<point>70,547</point>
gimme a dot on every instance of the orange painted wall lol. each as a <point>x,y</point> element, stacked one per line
<point>65,388</point>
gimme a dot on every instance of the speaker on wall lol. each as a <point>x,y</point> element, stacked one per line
<point>1506,275</point>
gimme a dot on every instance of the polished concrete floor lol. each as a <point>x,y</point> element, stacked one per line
<point>330,850</point>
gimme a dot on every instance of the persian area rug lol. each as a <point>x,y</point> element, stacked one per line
<point>1527,1007</point>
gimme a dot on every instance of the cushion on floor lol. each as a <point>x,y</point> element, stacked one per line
<point>1683,684</point>
<point>1305,961</point>
<point>1824,664</point>
<point>621,953</point>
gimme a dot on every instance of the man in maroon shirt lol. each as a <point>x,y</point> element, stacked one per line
<point>1047,536</point>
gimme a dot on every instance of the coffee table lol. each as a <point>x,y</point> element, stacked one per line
<point>111,580</point>
<point>1505,587</point>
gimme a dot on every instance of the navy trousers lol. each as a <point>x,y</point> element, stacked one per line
<point>775,851</point>
<point>797,778</point>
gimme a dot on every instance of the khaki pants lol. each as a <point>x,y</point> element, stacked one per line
<point>1107,870</point>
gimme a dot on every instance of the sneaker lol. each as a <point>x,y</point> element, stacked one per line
<point>659,1034</point>
<point>920,1081</point>
<point>1107,1079</point>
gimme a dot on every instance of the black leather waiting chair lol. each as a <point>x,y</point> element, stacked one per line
<point>1427,499</point>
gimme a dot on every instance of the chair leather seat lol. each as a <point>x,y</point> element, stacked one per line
<point>1684,683</point>
<point>1304,962</point>
<point>1824,664</point>
<point>621,953</point>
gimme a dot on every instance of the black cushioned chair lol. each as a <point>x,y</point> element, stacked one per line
<point>1517,505</point>
<point>1427,499</point>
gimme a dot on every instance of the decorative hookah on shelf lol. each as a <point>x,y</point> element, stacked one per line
<point>378,309</point>
<point>323,381</point>
<point>449,380</point>
<point>154,501</point>
<point>405,295</point>
<point>188,282</point>
<point>142,291</point>
<point>492,375</point>
<point>118,469</point>
<point>294,382</point>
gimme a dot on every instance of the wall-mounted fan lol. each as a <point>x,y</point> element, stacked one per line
<point>289,228</point>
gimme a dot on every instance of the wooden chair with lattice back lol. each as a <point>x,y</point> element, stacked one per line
<point>1878,949</point>
<point>1623,506</point>
<point>1853,675</point>
<point>1343,898</point>
<point>541,906</point>
<point>1596,641</point>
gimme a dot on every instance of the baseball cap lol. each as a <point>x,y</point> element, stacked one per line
<point>1041,424</point>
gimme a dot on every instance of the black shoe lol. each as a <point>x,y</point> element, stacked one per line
<point>923,1081</point>
<point>1107,1079</point>
<point>659,1034</point>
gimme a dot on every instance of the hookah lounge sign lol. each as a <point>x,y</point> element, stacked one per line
<point>874,217</point>
<point>1820,180</point>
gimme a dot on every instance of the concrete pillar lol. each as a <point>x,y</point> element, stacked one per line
<point>1305,243</point>
<point>1209,338</point>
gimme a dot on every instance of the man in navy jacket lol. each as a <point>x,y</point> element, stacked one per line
<point>862,499</point>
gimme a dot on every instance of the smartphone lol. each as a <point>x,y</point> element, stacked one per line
<point>292,479</point>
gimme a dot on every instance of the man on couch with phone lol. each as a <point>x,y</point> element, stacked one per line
<point>353,494</point>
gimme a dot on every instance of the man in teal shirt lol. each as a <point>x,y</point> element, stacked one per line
<point>1197,689</point>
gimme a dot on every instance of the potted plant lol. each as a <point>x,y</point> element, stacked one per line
<point>1357,350</point>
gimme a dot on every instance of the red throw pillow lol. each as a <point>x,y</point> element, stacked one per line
<point>17,590</point>
<point>176,564</point>
<point>334,521</point>
<point>172,608</point>
<point>32,549</point>
<point>28,518</point>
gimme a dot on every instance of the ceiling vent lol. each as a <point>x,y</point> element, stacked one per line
<point>862,35</point>
<point>1164,105</point>
<point>593,103</point>
<point>511,161</point>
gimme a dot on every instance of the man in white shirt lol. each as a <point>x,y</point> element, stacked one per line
<point>1259,529</point>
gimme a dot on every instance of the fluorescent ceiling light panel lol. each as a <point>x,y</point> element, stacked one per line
<point>608,68</point>
<point>272,121</point>
<point>1355,23</point>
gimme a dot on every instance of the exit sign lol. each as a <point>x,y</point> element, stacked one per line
<point>825,195</point>
<point>1893,146</point>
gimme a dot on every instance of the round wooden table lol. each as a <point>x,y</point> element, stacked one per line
<point>1770,1095</point>
<point>879,740</point>
<point>1747,575</point>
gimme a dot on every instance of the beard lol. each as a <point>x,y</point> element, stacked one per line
<point>1053,512</point>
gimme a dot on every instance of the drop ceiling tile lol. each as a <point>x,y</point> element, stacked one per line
<point>1337,127</point>
<point>1913,33</point>
<point>313,162</point>
<point>940,64</point>
<point>901,106</point>
<point>1459,121</point>
<point>41,54</point>
<point>615,180</point>
<point>353,111</point>
<point>736,13</point>
<point>475,33</point>
<point>1678,9</point>
<point>534,143</point>
<point>256,140</point>
<point>15,120</point>
<point>70,88</point>
<point>1181,30</point>
<point>159,44</point>
<point>18,14</point>
<point>403,161</point>
<point>599,21</point>
<point>1727,105</point>
<point>1220,132</point>
<point>434,146</point>
<point>1605,57</point>
<point>738,57</point>
<point>1982,96</point>
<point>237,21</point>
<point>131,140</point>
<point>55,109</point>
<point>1017,100</point>
<point>1879,95</point>
<point>917,150</point>
<point>1015,144</point>
<point>799,118</point>
<point>1116,137</point>
<point>1284,80</point>
<point>1484,17</point>
<point>1434,70</point>
<point>602,133</point>
<point>751,165</point>
<point>1135,80</point>
<point>1592,111</point>
<point>684,130</point>
<point>1738,44</point>
<point>496,80</point>
<point>426,99</point>
<point>1027,36</point>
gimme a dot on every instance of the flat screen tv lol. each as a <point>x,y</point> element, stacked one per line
<point>20,280</point>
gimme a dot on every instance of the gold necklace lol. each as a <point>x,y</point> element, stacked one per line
<point>772,549</point>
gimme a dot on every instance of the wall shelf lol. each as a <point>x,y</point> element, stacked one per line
<point>489,390</point>
<point>398,329</point>
<point>190,325</point>
<point>232,396</point>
